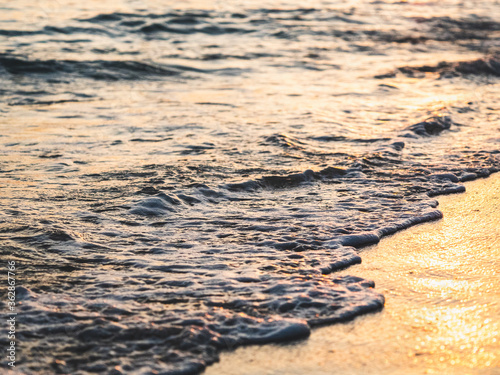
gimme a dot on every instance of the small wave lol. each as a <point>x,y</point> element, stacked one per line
<point>287,181</point>
<point>489,66</point>
<point>210,30</point>
<point>161,204</point>
<point>102,70</point>
<point>99,69</point>
<point>431,127</point>
<point>14,33</point>
<point>452,29</point>
<point>340,138</point>
<point>31,101</point>
<point>70,30</point>
<point>175,23</point>
<point>284,141</point>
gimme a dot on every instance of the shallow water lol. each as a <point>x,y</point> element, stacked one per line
<point>181,179</point>
<point>441,283</point>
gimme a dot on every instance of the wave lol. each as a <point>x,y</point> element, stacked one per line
<point>489,66</point>
<point>102,70</point>
<point>431,127</point>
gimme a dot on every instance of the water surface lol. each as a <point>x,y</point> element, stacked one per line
<point>180,179</point>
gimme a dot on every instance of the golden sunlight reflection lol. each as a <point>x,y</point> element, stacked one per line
<point>441,283</point>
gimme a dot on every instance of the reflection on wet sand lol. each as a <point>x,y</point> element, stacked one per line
<point>441,282</point>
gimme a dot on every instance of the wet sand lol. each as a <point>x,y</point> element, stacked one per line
<point>441,282</point>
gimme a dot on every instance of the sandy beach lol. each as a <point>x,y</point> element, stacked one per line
<point>441,282</point>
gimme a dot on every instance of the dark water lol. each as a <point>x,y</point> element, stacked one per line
<point>181,179</point>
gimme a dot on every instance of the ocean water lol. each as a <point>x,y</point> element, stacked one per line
<point>179,179</point>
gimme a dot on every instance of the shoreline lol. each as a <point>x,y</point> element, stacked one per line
<point>439,315</point>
